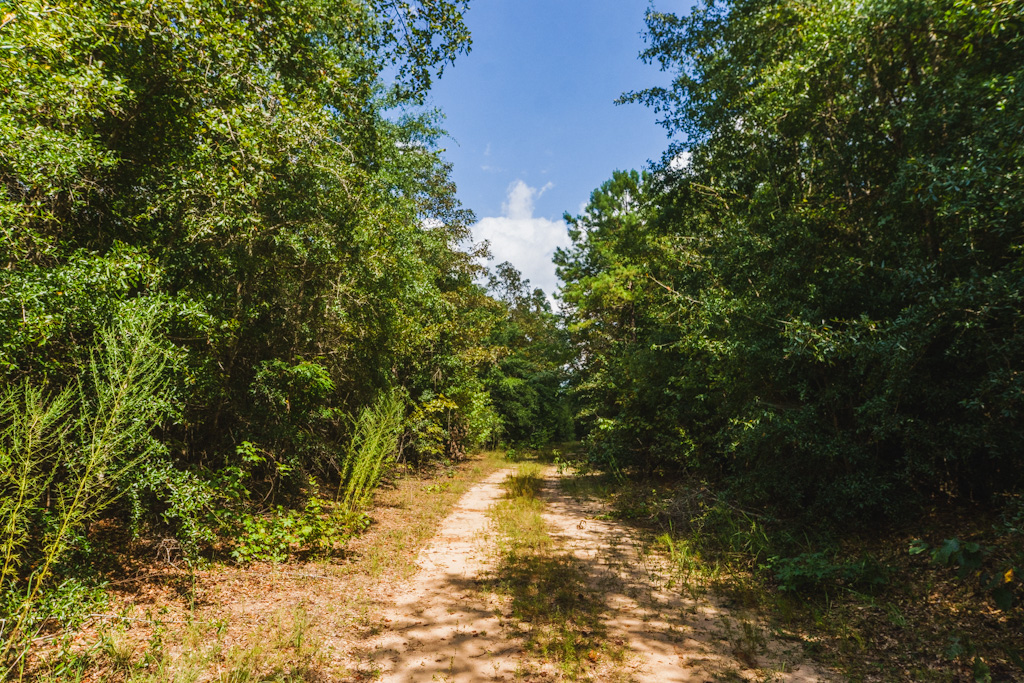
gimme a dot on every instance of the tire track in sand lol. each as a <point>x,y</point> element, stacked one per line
<point>442,627</point>
<point>674,639</point>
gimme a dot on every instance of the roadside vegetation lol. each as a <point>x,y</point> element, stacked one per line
<point>868,605</point>
<point>297,620</point>
<point>238,294</point>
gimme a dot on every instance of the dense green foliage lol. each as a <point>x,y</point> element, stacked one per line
<point>230,162</point>
<point>236,284</point>
<point>816,300</point>
<point>66,458</point>
<point>241,182</point>
<point>527,384</point>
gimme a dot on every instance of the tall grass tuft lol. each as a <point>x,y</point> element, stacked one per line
<point>65,457</point>
<point>373,447</point>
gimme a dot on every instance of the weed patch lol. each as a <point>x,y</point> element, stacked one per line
<point>551,605</point>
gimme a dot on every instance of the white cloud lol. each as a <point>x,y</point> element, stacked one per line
<point>681,161</point>
<point>526,241</point>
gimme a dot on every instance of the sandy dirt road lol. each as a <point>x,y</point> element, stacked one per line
<point>443,627</point>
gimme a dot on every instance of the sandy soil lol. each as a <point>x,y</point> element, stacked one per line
<point>442,627</point>
<point>673,637</point>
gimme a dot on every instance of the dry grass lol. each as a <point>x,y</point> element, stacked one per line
<point>267,622</point>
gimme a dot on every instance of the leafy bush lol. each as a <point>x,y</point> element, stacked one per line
<point>319,528</point>
<point>816,573</point>
<point>429,425</point>
<point>187,502</point>
<point>69,603</point>
<point>972,561</point>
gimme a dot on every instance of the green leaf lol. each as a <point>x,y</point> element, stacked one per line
<point>981,671</point>
<point>946,554</point>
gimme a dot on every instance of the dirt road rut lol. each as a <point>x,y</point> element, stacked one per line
<point>443,627</point>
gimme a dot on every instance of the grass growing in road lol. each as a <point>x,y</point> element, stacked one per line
<point>517,517</point>
<point>552,607</point>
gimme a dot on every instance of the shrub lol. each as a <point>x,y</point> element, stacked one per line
<point>816,573</point>
<point>78,446</point>
<point>373,447</point>
<point>318,527</point>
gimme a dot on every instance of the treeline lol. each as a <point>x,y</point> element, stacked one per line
<point>236,278</point>
<point>815,301</point>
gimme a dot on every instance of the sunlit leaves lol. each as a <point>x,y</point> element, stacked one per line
<point>232,161</point>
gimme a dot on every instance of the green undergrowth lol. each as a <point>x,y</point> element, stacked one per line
<point>937,599</point>
<point>551,605</point>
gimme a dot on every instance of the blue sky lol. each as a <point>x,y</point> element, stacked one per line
<point>532,117</point>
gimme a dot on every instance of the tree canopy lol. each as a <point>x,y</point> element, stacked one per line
<point>252,194</point>
<point>816,297</point>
